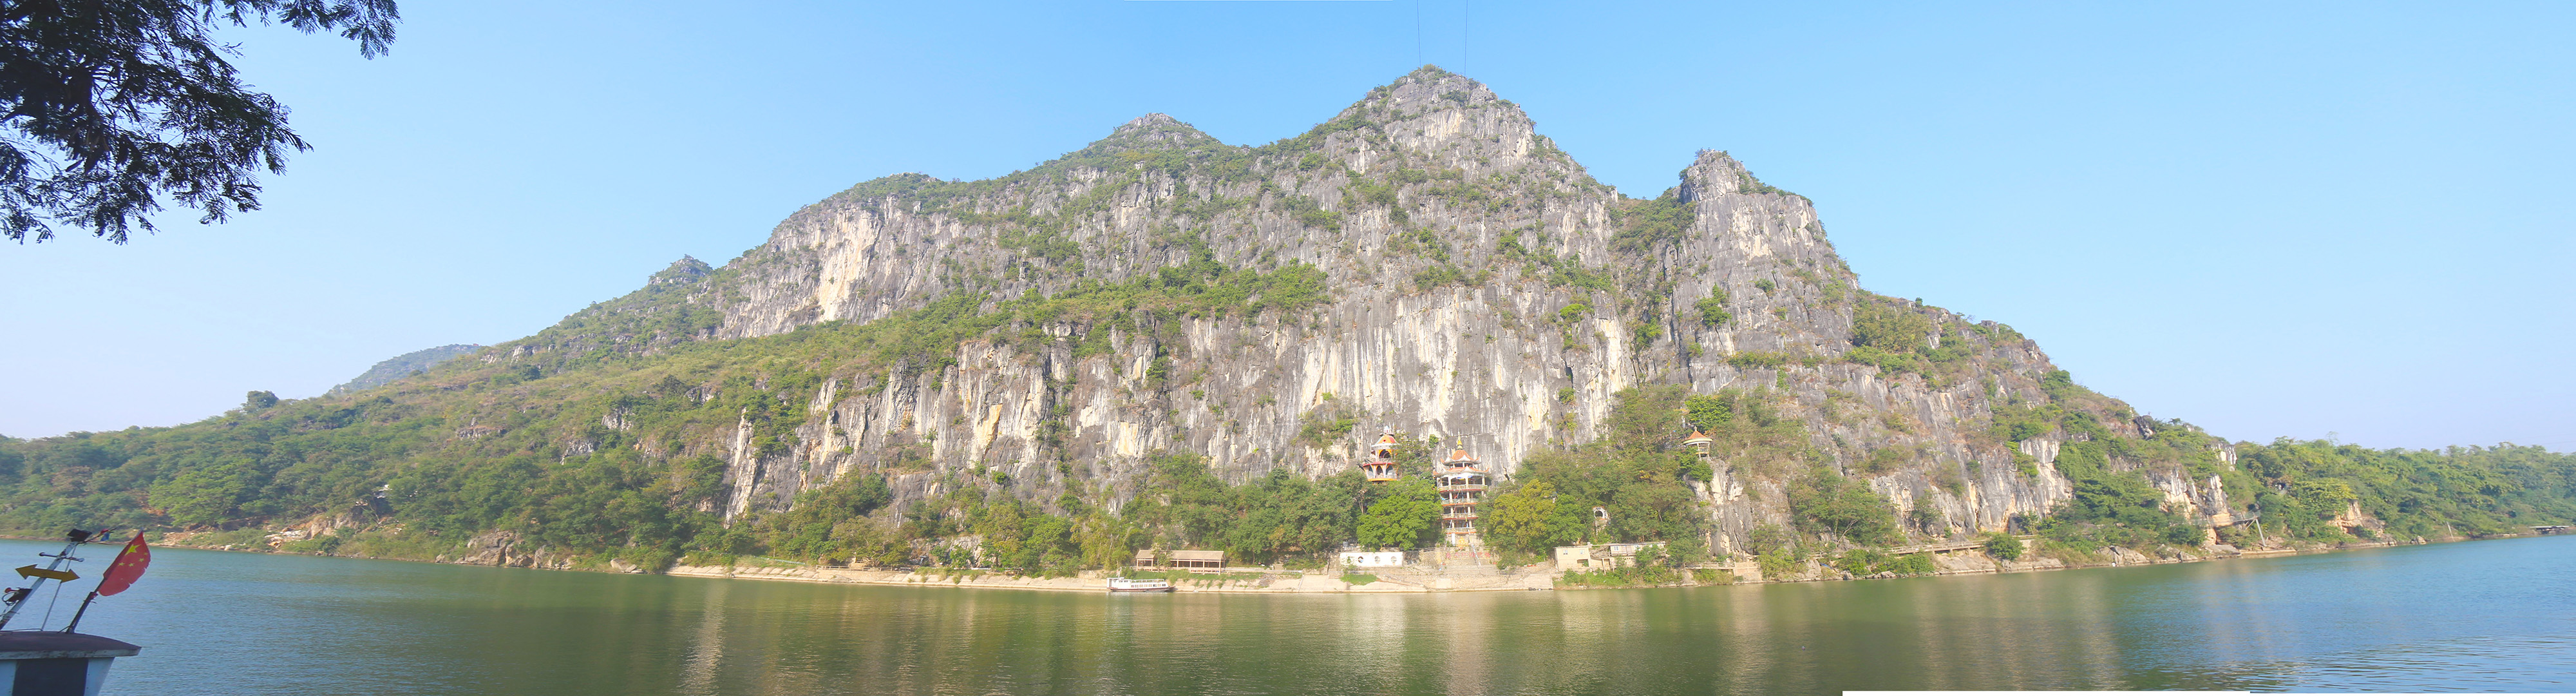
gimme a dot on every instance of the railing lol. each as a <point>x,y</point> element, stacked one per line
<point>1458,515</point>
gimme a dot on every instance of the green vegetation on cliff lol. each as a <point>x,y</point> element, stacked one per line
<point>448,472</point>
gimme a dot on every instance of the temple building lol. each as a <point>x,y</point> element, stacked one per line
<point>1380,467</point>
<point>1461,483</point>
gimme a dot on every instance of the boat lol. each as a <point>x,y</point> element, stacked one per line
<point>1139,585</point>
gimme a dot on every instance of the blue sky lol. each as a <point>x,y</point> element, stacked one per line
<point>2288,219</point>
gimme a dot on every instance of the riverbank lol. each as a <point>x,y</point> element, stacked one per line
<point>1265,582</point>
<point>1483,579</point>
<point>1977,562</point>
<point>1271,581</point>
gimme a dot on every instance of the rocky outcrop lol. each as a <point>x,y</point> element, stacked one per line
<point>502,548</point>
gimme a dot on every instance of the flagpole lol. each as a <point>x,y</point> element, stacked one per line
<point>84,609</point>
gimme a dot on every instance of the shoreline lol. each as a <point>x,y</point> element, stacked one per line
<point>1391,581</point>
<point>1269,582</point>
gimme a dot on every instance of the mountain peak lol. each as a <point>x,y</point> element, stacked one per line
<point>1152,121</point>
<point>1714,172</point>
<point>686,270</point>
<point>1154,131</point>
<point>1428,89</point>
<point>1436,119</point>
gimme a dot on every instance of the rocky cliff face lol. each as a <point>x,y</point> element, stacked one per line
<point>1480,286</point>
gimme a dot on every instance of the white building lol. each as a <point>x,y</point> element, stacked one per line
<point>1371,559</point>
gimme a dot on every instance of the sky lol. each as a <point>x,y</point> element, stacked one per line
<point>2343,220</point>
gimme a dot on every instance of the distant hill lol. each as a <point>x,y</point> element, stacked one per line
<point>400,366</point>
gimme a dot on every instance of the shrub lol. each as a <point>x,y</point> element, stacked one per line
<point>1780,562</point>
<point>1439,275</point>
<point>1712,309</point>
<point>2003,546</point>
<point>1757,359</point>
<point>1867,562</point>
<point>1890,329</point>
<point>1885,460</point>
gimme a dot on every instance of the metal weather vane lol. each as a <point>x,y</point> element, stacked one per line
<point>121,574</point>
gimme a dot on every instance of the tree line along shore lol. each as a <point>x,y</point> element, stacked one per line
<point>612,511</point>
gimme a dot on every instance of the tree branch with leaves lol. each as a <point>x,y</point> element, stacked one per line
<point>113,108</point>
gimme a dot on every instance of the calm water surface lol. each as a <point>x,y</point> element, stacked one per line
<point>2476,616</point>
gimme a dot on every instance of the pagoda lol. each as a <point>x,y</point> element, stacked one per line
<point>1381,464</point>
<point>1461,483</point>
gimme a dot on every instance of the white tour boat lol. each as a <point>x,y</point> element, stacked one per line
<point>1139,585</point>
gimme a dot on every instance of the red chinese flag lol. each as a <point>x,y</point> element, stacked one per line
<point>128,566</point>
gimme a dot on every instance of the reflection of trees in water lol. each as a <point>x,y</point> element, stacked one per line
<point>706,644</point>
<point>1373,643</point>
<point>1465,626</point>
<point>2002,632</point>
<point>2166,627</point>
<point>1950,633</point>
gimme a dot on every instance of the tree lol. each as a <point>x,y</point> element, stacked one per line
<point>203,497</point>
<point>1825,502</point>
<point>1401,517</point>
<point>1709,411</point>
<point>1712,309</point>
<point>257,400</point>
<point>119,104</point>
<point>1647,419</point>
<point>1529,519</point>
<point>2003,546</point>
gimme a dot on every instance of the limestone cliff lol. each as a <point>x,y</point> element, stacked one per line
<point>1480,286</point>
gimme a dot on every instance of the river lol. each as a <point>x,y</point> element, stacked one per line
<point>2481,616</point>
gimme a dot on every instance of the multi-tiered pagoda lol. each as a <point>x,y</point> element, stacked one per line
<point>1461,481</point>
